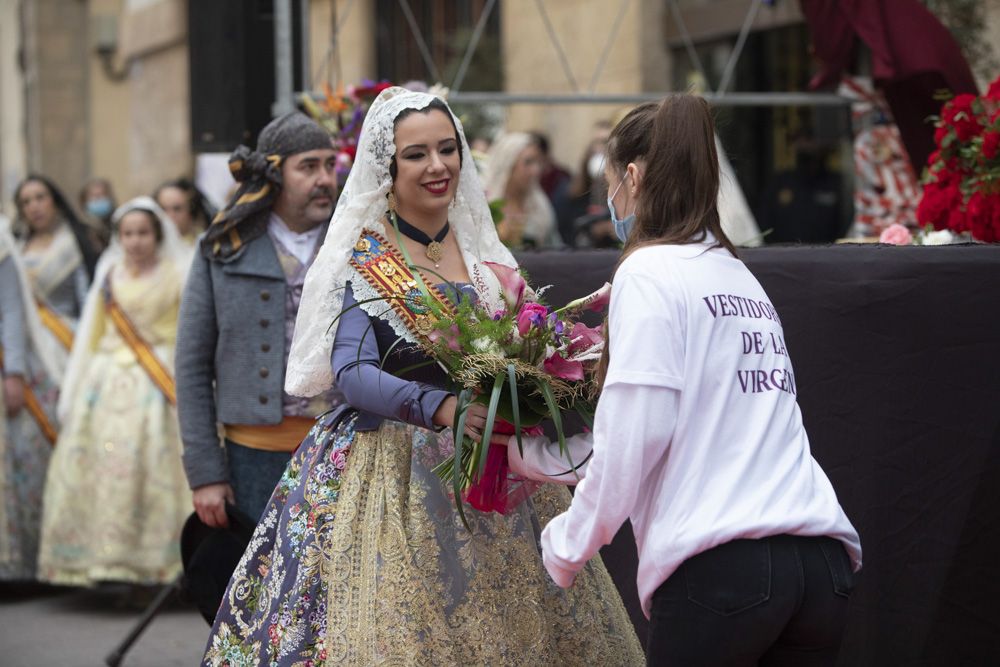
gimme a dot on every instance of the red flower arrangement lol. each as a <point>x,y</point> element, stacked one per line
<point>962,179</point>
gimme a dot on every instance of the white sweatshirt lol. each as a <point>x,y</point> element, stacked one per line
<point>698,438</point>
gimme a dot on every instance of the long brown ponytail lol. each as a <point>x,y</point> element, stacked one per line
<point>678,197</point>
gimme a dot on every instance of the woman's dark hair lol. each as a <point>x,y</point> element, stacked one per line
<point>201,207</point>
<point>678,200</point>
<point>153,218</point>
<point>434,104</point>
<point>79,229</point>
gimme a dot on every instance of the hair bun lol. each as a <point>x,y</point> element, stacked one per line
<point>245,164</point>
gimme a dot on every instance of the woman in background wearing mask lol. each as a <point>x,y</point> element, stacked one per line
<point>97,201</point>
<point>745,555</point>
<point>512,174</point>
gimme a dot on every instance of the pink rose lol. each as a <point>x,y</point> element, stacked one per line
<point>896,234</point>
<point>531,314</point>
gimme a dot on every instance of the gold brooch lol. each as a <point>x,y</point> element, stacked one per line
<point>363,245</point>
<point>424,325</point>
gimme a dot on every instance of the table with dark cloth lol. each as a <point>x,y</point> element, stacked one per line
<point>896,359</point>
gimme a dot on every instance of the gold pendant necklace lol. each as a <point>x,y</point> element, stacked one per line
<point>434,249</point>
<point>434,252</point>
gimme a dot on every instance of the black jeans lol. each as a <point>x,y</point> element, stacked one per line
<point>773,602</point>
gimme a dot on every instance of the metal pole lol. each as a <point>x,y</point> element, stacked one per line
<point>283,61</point>
<point>762,99</point>
<point>304,47</point>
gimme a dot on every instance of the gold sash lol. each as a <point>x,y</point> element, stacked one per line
<point>144,353</point>
<point>34,407</point>
<point>384,268</point>
<point>55,323</point>
<point>282,437</point>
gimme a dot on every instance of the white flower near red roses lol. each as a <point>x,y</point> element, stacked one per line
<point>941,237</point>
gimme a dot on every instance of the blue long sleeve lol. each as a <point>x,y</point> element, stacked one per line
<point>355,361</point>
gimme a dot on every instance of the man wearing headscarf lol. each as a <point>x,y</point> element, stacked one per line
<point>237,318</point>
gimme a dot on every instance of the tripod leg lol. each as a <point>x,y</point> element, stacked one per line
<point>114,659</point>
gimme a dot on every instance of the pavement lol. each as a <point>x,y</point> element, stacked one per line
<point>63,627</point>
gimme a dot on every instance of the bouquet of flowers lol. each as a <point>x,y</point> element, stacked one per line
<point>962,179</point>
<point>526,363</point>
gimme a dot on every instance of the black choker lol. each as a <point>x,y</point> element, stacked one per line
<point>434,249</point>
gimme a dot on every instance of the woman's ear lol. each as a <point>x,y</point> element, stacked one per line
<point>636,170</point>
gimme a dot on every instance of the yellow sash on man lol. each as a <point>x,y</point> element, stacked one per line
<point>386,271</point>
<point>34,408</point>
<point>144,353</point>
<point>55,323</point>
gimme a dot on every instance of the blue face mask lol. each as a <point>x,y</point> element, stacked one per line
<point>622,227</point>
<point>100,207</point>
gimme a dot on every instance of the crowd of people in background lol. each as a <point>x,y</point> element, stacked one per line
<point>92,485</point>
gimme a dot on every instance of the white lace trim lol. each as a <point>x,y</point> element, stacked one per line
<point>370,301</point>
<point>362,205</point>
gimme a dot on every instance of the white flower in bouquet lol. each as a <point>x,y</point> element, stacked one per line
<point>486,346</point>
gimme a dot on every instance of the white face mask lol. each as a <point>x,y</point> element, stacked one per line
<point>595,165</point>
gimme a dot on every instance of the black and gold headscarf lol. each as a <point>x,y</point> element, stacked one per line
<point>259,174</point>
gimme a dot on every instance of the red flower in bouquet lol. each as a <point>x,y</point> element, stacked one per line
<point>959,114</point>
<point>941,197</point>
<point>984,216</point>
<point>994,91</point>
<point>991,141</point>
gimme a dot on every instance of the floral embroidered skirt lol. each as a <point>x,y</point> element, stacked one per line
<point>24,459</point>
<point>361,559</point>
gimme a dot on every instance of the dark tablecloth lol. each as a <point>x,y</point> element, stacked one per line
<point>896,359</point>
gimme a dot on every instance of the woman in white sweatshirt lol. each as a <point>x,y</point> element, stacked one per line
<point>745,555</point>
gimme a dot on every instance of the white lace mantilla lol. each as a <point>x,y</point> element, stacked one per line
<point>362,204</point>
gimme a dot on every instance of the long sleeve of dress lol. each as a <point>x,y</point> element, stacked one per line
<point>13,336</point>
<point>542,461</point>
<point>643,418</point>
<point>355,360</point>
<point>634,425</point>
<point>81,285</point>
<point>194,363</point>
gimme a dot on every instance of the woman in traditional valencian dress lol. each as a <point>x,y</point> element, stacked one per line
<point>360,557</point>
<point>116,495</point>
<point>28,427</point>
<point>57,254</point>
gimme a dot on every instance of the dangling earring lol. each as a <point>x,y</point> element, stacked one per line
<point>391,201</point>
